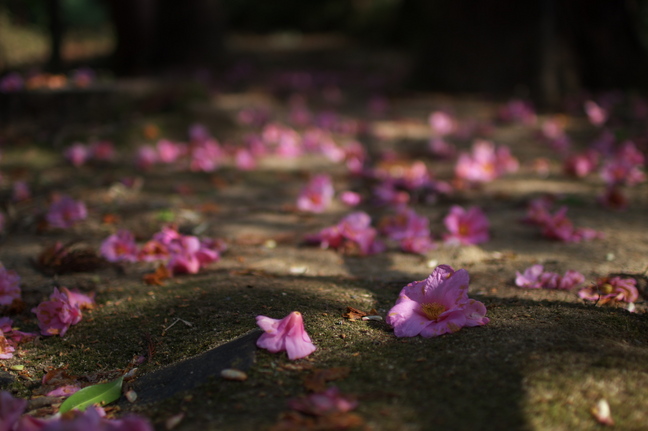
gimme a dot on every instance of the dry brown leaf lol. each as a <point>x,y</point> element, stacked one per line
<point>355,314</point>
<point>317,380</point>
<point>157,278</point>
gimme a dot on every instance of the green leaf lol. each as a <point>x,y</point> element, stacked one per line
<point>103,393</point>
<point>166,215</point>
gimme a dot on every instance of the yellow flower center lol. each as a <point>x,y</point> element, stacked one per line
<point>606,288</point>
<point>433,311</point>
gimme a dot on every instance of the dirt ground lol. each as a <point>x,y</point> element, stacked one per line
<point>542,363</point>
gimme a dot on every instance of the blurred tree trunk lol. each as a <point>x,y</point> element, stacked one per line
<point>56,34</point>
<point>163,33</point>
<point>543,49</point>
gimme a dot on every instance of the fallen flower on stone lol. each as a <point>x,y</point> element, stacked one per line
<point>535,277</point>
<point>64,212</point>
<point>353,235</point>
<point>119,247</point>
<point>466,226</point>
<point>287,334</point>
<point>410,230</point>
<point>436,305</point>
<point>485,163</point>
<point>9,286</point>
<point>322,403</point>
<point>64,391</point>
<point>10,410</point>
<point>56,315</point>
<point>610,290</point>
<point>317,195</point>
<point>559,227</point>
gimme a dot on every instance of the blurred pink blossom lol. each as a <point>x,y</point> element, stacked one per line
<point>595,113</point>
<point>535,277</point>
<point>485,163</point>
<point>353,234</point>
<point>77,154</point>
<point>437,305</point>
<point>441,123</point>
<point>466,226</point>
<point>64,212</point>
<point>323,403</point>
<point>287,334</point>
<point>20,191</point>
<point>146,157</point>
<point>56,315</point>
<point>119,247</point>
<point>64,391</point>
<point>317,195</point>
<point>410,230</point>
<point>350,198</point>
<point>580,165</point>
<point>611,289</point>
<point>9,286</point>
<point>169,151</point>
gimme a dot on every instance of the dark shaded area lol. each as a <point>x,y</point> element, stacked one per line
<point>190,373</point>
<point>543,49</point>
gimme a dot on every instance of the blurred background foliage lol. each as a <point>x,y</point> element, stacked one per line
<point>554,45</point>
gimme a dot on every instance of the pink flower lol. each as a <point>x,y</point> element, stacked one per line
<point>9,286</point>
<point>530,278</point>
<point>436,305</point>
<point>10,410</point>
<point>518,110</point>
<point>350,198</point>
<point>146,157</point>
<point>286,334</point>
<point>244,159</point>
<point>20,191</point>
<point>206,156</point>
<point>580,165</point>
<point>57,315</point>
<point>324,403</point>
<point>441,123</point>
<point>119,247</point>
<point>169,151</point>
<point>187,254</point>
<point>611,289</point>
<point>485,163</point>
<point>353,234</point>
<point>64,212</point>
<point>317,195</point>
<point>595,113</point>
<point>535,277</point>
<point>78,299</point>
<point>102,150</point>
<point>559,227</point>
<point>410,230</point>
<point>7,348</point>
<point>466,227</point>
<point>64,391</point>
<point>153,250</point>
<point>77,154</point>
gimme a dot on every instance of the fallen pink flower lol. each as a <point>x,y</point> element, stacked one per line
<point>350,198</point>
<point>324,403</point>
<point>10,410</point>
<point>317,195</point>
<point>146,157</point>
<point>287,334</point>
<point>441,123</point>
<point>352,235</point>
<point>64,212</point>
<point>102,150</point>
<point>485,163</point>
<point>169,151</point>
<point>56,315</point>
<point>64,391</point>
<point>77,154</point>
<point>437,305</point>
<point>410,230</point>
<point>20,191</point>
<point>580,165</point>
<point>559,227</point>
<point>9,286</point>
<point>78,299</point>
<point>466,226</point>
<point>595,113</point>
<point>119,247</point>
<point>611,289</point>
<point>535,277</point>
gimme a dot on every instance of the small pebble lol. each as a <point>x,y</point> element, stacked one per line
<point>233,374</point>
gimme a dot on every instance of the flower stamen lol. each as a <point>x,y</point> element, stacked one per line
<point>433,310</point>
